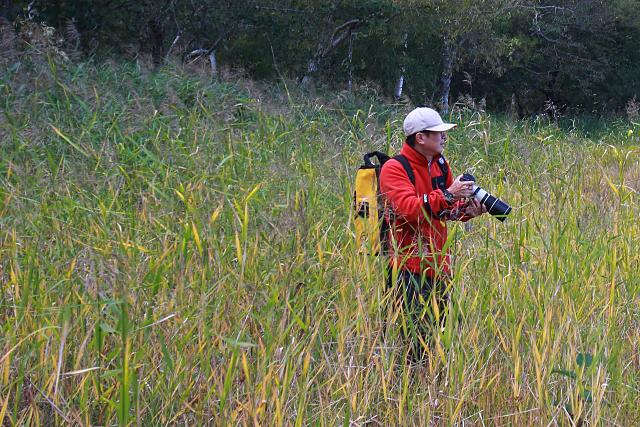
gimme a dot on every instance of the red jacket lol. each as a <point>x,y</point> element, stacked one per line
<point>418,230</point>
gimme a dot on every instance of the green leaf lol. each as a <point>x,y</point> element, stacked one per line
<point>584,359</point>
<point>236,343</point>
<point>227,381</point>
<point>168,362</point>
<point>105,327</point>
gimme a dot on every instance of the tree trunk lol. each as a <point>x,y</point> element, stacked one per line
<point>214,64</point>
<point>350,82</point>
<point>399,87</point>
<point>448,58</point>
<point>400,83</point>
<point>156,39</point>
<point>312,67</point>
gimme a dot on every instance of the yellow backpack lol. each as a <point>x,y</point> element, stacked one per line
<point>371,224</point>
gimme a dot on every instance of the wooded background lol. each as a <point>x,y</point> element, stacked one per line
<point>522,56</point>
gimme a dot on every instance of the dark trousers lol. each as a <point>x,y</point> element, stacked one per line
<point>424,304</point>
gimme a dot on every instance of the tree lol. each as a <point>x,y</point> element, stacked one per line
<point>333,24</point>
<point>561,52</point>
<point>583,54</point>
<point>465,29</point>
<point>325,47</point>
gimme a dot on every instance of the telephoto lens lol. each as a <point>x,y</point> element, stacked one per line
<point>495,206</point>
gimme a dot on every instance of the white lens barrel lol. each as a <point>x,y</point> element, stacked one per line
<point>478,193</point>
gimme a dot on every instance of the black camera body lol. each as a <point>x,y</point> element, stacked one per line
<point>495,206</point>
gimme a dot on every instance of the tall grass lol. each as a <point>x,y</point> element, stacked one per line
<point>176,250</point>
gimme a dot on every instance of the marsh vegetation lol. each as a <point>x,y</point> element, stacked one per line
<point>177,249</point>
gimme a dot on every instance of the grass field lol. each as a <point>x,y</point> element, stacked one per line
<point>180,251</point>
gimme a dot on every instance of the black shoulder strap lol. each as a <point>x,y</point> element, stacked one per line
<point>442,162</point>
<point>407,167</point>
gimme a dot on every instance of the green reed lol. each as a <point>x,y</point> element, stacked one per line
<point>176,250</point>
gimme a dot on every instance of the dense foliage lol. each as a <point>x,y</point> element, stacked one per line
<point>523,55</point>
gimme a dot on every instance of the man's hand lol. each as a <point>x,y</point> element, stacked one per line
<point>474,209</point>
<point>461,189</point>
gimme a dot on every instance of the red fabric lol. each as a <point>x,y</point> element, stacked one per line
<point>418,231</point>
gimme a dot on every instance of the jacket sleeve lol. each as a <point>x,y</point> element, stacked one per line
<point>401,194</point>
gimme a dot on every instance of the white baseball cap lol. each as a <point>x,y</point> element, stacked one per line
<point>424,119</point>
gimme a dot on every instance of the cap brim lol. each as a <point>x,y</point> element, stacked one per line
<point>443,127</point>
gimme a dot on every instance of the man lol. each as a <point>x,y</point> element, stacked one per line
<point>417,216</point>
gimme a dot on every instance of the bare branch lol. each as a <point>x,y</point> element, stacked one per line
<point>172,45</point>
<point>281,9</point>
<point>194,55</point>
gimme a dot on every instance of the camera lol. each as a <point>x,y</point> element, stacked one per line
<point>495,206</point>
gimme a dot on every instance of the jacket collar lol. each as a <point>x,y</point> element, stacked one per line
<point>414,157</point>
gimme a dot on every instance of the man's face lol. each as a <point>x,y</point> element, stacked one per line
<point>431,143</point>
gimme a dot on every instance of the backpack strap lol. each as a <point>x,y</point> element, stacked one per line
<point>407,167</point>
<point>382,158</point>
<point>386,226</point>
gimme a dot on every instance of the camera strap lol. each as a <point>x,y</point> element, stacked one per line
<point>440,182</point>
<point>444,167</point>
